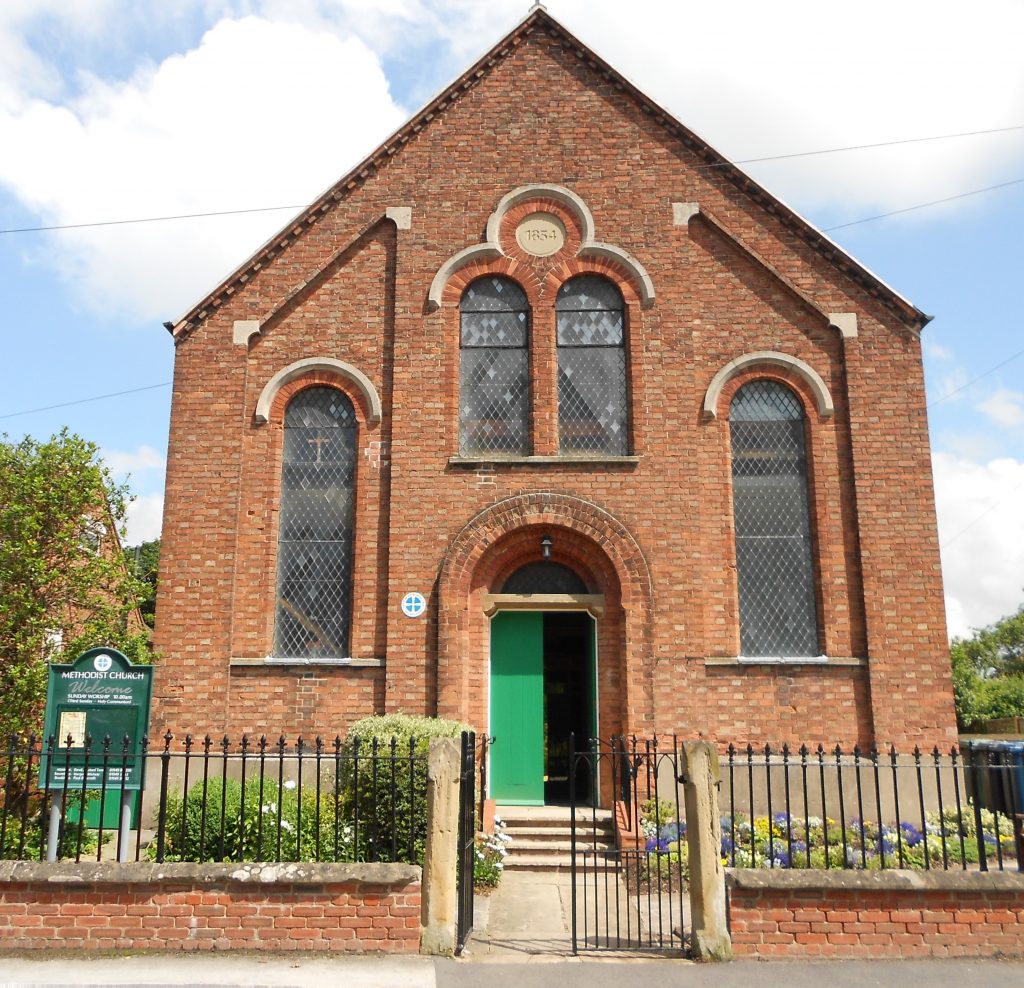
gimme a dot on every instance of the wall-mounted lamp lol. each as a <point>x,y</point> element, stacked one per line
<point>545,546</point>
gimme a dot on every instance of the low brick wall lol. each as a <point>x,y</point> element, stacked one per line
<point>330,907</point>
<point>790,914</point>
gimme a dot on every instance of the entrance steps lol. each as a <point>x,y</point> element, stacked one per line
<point>542,839</point>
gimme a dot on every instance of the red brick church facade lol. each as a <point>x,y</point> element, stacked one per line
<point>542,194</point>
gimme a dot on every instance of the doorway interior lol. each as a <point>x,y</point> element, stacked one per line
<point>543,690</point>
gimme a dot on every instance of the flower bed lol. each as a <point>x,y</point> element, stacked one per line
<point>784,841</point>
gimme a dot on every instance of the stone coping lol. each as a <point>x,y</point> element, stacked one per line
<point>270,662</point>
<point>890,880</point>
<point>189,873</point>
<point>568,460</point>
<point>808,660</point>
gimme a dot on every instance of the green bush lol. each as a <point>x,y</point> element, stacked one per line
<point>31,840</point>
<point>277,824</point>
<point>1001,697</point>
<point>390,804</point>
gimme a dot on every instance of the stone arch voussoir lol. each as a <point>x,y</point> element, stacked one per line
<point>583,518</point>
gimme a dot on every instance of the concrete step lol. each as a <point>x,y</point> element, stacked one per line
<point>560,864</point>
<point>544,816</point>
<point>558,845</point>
<point>560,833</point>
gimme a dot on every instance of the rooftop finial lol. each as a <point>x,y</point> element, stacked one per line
<point>537,5</point>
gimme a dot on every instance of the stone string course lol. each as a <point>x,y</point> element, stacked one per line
<point>870,914</point>
<point>349,908</point>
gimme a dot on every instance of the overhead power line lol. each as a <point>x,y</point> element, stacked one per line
<point>974,380</point>
<point>992,507</point>
<point>148,219</point>
<point>82,401</point>
<point>923,205</point>
<point>723,164</point>
<point>865,147</point>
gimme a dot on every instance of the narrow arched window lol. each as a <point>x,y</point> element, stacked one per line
<point>494,390</point>
<point>591,367</point>
<point>314,555</point>
<point>773,533</point>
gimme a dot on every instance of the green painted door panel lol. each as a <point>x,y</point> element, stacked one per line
<point>517,707</point>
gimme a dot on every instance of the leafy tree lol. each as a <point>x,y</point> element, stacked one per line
<point>144,562</point>
<point>997,650</point>
<point>64,586</point>
<point>988,671</point>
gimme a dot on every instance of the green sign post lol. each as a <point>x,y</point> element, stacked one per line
<point>100,695</point>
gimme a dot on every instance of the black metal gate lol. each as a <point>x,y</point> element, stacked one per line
<point>629,863</point>
<point>467,839</point>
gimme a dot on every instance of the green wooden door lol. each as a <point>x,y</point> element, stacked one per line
<point>517,707</point>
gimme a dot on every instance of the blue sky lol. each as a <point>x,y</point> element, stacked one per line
<point>115,110</point>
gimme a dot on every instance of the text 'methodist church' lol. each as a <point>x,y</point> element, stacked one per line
<point>549,419</point>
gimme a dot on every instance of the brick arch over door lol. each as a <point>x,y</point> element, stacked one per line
<point>469,568</point>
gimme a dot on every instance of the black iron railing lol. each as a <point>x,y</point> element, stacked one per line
<point>869,809</point>
<point>203,799</point>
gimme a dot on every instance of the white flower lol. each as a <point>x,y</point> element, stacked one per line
<point>285,825</point>
<point>290,784</point>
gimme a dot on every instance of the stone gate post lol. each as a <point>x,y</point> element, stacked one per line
<point>701,777</point>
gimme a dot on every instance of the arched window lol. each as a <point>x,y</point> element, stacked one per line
<point>591,367</point>
<point>494,395</point>
<point>314,555</point>
<point>544,577</point>
<point>773,535</point>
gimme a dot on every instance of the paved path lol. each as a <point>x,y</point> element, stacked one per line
<point>303,970</point>
<point>525,917</point>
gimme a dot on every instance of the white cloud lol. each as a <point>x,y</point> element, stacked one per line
<point>981,533</point>
<point>144,520</point>
<point>1004,407</point>
<point>260,114</point>
<point>122,463</point>
<point>281,96</point>
<point>950,387</point>
<point>936,351</point>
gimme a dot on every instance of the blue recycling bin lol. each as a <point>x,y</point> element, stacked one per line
<point>995,776</point>
<point>983,775</point>
<point>1012,775</point>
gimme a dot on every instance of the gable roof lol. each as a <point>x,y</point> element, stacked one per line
<point>540,19</point>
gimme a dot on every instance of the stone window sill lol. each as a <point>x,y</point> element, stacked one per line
<point>542,461</point>
<point>270,661</point>
<point>799,660</point>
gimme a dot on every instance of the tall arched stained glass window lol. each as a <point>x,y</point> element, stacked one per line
<point>314,555</point>
<point>591,367</point>
<point>494,388</point>
<point>773,536</point>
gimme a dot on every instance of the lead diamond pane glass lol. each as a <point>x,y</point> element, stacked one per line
<point>591,368</point>
<point>773,538</point>
<point>494,375</point>
<point>314,569</point>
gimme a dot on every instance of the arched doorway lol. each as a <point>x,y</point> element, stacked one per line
<point>530,528</point>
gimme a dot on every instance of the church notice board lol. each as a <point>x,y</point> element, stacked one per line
<point>101,694</point>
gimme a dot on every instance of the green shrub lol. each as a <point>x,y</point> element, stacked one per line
<point>282,825</point>
<point>31,840</point>
<point>390,804</point>
<point>1000,697</point>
